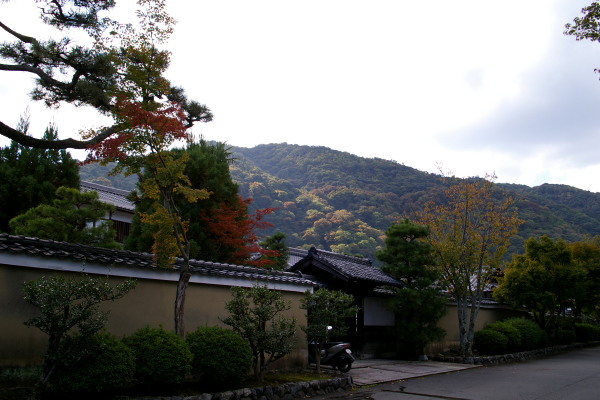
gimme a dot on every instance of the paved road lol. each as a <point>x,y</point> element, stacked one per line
<point>375,371</point>
<point>574,375</point>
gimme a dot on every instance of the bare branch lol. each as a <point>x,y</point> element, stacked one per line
<point>34,70</point>
<point>22,38</point>
<point>70,143</point>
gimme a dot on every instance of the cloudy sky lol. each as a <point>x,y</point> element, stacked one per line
<point>475,86</point>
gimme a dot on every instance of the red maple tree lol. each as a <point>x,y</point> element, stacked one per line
<point>235,231</point>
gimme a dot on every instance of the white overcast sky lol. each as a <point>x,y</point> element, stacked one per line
<point>477,86</point>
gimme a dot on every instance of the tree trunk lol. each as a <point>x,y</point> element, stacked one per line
<point>318,359</point>
<point>184,279</point>
<point>262,369</point>
<point>475,304</point>
<point>461,308</point>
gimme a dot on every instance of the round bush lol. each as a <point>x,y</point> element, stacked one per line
<point>94,364</point>
<point>512,334</point>
<point>161,357</point>
<point>532,336</point>
<point>490,342</point>
<point>221,356</point>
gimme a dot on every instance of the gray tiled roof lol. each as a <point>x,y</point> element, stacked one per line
<point>353,268</point>
<point>296,255</point>
<point>49,248</point>
<point>106,194</point>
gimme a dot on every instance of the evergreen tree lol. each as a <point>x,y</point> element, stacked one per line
<point>72,217</point>
<point>418,306</point>
<point>277,243</point>
<point>30,177</point>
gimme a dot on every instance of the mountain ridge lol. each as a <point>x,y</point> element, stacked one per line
<point>342,202</point>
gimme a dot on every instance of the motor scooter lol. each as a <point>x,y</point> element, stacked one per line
<point>336,354</point>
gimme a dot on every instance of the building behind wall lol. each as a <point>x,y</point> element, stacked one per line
<point>124,209</point>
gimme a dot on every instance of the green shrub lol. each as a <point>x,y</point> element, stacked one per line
<point>94,363</point>
<point>161,357</point>
<point>565,336</point>
<point>512,334</point>
<point>595,332</point>
<point>490,342</point>
<point>221,356</point>
<point>532,336</point>
<point>586,332</point>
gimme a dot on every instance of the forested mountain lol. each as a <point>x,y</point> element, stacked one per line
<point>344,203</point>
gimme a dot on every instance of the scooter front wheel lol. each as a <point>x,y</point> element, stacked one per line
<point>344,364</point>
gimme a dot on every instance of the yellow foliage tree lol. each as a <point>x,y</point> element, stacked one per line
<point>470,231</point>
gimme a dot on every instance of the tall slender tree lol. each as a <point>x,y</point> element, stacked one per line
<point>152,116</point>
<point>470,229</point>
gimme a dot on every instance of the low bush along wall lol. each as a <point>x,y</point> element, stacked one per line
<point>513,357</point>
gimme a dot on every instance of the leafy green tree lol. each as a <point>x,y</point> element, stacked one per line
<point>73,217</point>
<point>544,280</point>
<point>326,308</point>
<point>586,255</point>
<point>418,306</point>
<point>70,70</point>
<point>30,177</point>
<point>69,307</point>
<point>470,230</point>
<point>276,243</point>
<point>255,315</point>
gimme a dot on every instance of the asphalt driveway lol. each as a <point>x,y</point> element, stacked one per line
<point>377,371</point>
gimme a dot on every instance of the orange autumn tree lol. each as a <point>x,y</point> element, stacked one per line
<point>235,232</point>
<point>153,115</point>
<point>470,230</point>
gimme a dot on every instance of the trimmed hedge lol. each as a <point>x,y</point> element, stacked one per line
<point>587,332</point>
<point>161,357</point>
<point>221,356</point>
<point>532,336</point>
<point>488,341</point>
<point>512,334</point>
<point>96,364</point>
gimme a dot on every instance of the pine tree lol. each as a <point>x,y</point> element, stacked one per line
<point>30,177</point>
<point>73,217</point>
<point>418,306</point>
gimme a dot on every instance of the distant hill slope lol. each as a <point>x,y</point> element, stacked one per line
<point>342,202</point>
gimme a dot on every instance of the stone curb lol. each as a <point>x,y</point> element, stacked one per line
<point>514,357</point>
<point>287,391</point>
